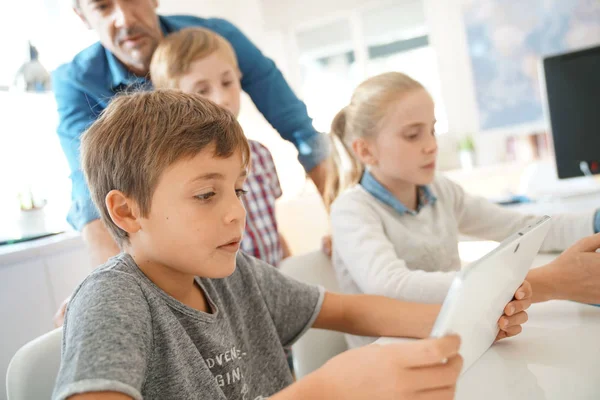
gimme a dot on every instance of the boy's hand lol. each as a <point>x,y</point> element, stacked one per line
<point>425,369</point>
<point>514,312</point>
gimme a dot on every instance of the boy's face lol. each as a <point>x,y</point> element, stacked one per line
<point>216,79</point>
<point>405,148</point>
<point>196,218</point>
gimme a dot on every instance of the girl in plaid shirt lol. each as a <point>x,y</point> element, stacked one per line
<point>197,60</point>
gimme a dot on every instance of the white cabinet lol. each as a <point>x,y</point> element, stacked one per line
<point>65,271</point>
<point>34,280</point>
<point>26,309</point>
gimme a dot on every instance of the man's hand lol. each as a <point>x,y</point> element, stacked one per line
<point>319,176</point>
<point>574,275</point>
<point>327,245</point>
<point>285,247</point>
<point>515,313</point>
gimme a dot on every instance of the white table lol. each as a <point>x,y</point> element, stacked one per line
<point>556,357</point>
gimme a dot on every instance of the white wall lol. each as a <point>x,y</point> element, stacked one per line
<point>448,37</point>
<point>282,14</point>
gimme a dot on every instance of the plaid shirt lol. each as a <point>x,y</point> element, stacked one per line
<point>261,237</point>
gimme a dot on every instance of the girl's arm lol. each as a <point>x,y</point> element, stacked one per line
<point>478,217</point>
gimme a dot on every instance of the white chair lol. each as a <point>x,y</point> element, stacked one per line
<point>33,369</point>
<point>316,346</point>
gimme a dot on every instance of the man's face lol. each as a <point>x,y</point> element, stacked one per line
<point>127,28</point>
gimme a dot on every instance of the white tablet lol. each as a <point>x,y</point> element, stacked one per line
<point>479,292</point>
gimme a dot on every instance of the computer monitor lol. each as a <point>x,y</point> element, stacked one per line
<point>572,93</point>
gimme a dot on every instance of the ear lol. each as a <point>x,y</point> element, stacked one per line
<point>79,13</point>
<point>364,151</point>
<point>123,211</point>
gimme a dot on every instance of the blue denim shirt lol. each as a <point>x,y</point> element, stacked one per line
<point>84,87</point>
<point>377,190</point>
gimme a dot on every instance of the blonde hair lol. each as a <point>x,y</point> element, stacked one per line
<point>139,135</point>
<point>176,52</point>
<point>361,119</point>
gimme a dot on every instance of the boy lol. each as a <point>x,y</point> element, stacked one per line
<point>181,315</point>
<point>197,60</point>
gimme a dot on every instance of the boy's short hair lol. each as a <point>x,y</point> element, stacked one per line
<point>176,52</point>
<point>139,135</point>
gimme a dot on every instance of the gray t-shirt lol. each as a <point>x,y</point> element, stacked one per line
<point>122,333</point>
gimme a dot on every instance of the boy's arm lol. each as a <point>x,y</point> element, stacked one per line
<point>100,396</point>
<point>367,315</point>
<point>381,316</point>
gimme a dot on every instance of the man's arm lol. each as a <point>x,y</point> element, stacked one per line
<point>76,111</point>
<point>101,245</point>
<point>319,176</point>
<point>100,396</point>
<point>274,98</point>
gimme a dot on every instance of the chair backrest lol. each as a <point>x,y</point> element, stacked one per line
<point>33,369</point>
<point>316,346</point>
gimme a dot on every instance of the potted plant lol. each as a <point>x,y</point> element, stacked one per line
<point>466,151</point>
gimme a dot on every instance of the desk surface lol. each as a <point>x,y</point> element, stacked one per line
<point>556,357</point>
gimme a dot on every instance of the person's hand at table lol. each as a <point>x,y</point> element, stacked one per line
<point>425,370</point>
<point>574,275</point>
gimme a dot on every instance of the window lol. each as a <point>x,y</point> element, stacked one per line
<point>329,71</point>
<point>337,55</point>
<point>30,154</point>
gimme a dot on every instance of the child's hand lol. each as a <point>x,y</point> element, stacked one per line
<point>514,312</point>
<point>424,369</point>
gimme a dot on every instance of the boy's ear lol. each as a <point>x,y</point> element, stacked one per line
<point>364,151</point>
<point>123,211</point>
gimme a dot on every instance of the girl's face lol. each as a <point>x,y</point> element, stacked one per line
<point>405,148</point>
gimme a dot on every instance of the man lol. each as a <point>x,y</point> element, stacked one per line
<point>129,32</point>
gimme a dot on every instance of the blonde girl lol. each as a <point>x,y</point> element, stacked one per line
<point>395,224</point>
